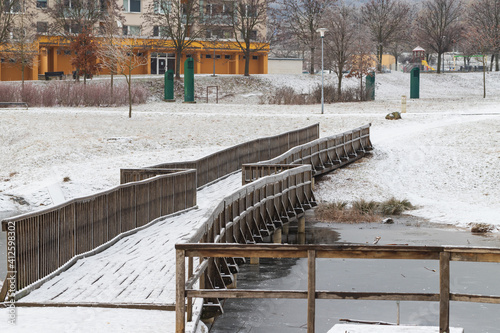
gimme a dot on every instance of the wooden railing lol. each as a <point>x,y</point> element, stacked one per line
<point>444,254</point>
<point>224,162</point>
<point>324,155</point>
<point>242,216</point>
<point>47,239</point>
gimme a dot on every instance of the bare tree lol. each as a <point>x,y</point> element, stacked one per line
<point>8,11</point>
<point>384,19</point>
<point>123,57</point>
<point>70,17</point>
<point>401,44</point>
<point>21,46</point>
<point>484,16</point>
<point>438,26</point>
<point>303,18</point>
<point>478,43</point>
<point>177,24</point>
<point>362,60</point>
<point>109,31</point>
<point>341,40</point>
<point>247,19</point>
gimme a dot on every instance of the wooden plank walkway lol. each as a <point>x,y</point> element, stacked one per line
<point>138,269</point>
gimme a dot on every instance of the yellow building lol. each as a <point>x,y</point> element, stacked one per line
<point>54,55</point>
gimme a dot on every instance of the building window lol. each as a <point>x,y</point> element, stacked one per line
<point>159,31</point>
<point>41,3</point>
<point>42,27</point>
<point>131,30</point>
<point>217,56</point>
<point>11,6</point>
<point>255,57</point>
<point>250,11</point>
<point>162,6</point>
<point>208,56</point>
<point>132,6</point>
<point>227,56</point>
<point>67,52</point>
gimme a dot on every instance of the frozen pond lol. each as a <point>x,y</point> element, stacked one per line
<point>280,315</point>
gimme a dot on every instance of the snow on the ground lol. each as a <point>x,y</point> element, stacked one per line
<point>443,155</point>
<point>351,328</point>
<point>87,319</point>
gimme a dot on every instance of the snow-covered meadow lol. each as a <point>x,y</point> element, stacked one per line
<point>444,155</point>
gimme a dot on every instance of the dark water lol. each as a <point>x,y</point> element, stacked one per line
<point>281,315</point>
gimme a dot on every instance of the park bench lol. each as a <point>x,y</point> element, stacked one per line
<point>48,75</point>
<point>13,104</point>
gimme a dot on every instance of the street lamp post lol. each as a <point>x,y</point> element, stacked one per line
<point>322,34</point>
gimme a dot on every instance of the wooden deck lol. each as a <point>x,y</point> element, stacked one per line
<point>139,269</point>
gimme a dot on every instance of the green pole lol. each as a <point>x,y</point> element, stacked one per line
<point>189,80</point>
<point>415,83</point>
<point>370,86</point>
<point>169,85</point>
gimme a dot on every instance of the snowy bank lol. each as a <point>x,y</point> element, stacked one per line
<point>443,155</point>
<point>348,328</point>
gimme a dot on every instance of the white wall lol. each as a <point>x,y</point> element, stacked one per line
<point>284,66</point>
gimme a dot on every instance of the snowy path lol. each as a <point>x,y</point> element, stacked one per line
<point>137,269</point>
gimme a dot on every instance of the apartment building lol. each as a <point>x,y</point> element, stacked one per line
<point>213,42</point>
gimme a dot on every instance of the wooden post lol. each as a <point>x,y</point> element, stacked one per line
<point>286,228</point>
<point>277,236</point>
<point>180,281</point>
<point>254,261</point>
<point>311,290</point>
<point>444,292</point>
<point>302,225</point>
<point>190,299</point>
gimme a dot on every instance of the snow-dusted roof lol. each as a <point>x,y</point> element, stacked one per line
<point>418,48</point>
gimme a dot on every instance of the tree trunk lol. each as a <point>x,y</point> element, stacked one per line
<point>491,62</point>
<point>496,63</point>
<point>484,77</point>
<point>178,55</point>
<point>311,65</point>
<point>339,85</point>
<point>22,81</point>
<point>439,63</point>
<point>247,61</point>
<point>129,93</point>
<point>380,52</point>
<point>112,84</point>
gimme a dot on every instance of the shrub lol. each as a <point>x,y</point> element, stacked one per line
<point>9,93</point>
<point>395,207</point>
<point>366,207</point>
<point>288,96</point>
<point>69,93</point>
<point>481,228</point>
<point>361,210</point>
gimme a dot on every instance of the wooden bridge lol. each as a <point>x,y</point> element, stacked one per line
<point>105,250</point>
<point>60,256</point>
